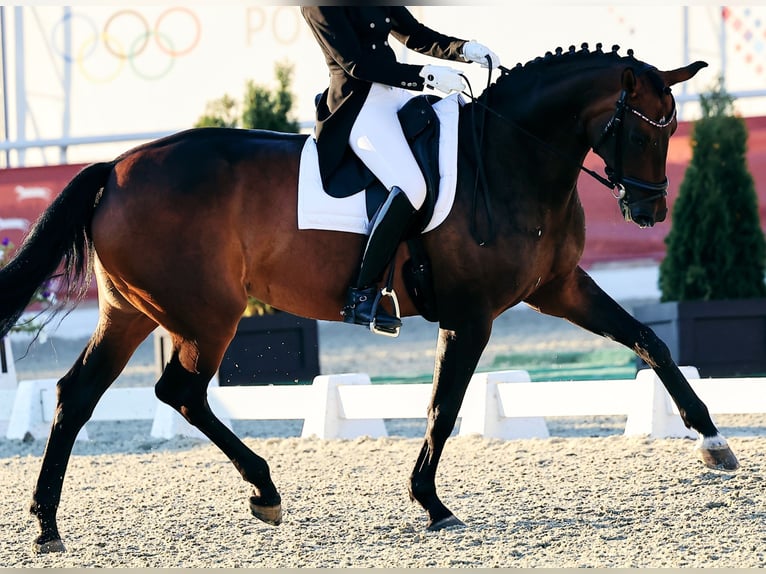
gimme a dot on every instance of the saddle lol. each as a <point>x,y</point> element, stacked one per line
<point>420,125</point>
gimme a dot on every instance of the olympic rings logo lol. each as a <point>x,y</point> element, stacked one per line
<point>127,38</point>
<point>286,24</point>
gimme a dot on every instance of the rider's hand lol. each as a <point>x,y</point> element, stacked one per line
<point>475,52</point>
<point>442,78</point>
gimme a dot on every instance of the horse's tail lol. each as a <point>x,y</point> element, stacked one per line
<point>60,235</point>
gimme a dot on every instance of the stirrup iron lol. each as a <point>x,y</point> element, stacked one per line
<point>385,292</point>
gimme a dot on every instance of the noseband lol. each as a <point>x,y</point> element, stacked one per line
<point>617,178</point>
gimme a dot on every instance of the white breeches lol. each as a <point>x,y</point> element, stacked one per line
<point>377,139</point>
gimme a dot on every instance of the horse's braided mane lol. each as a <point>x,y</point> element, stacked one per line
<point>517,75</point>
<point>574,56</point>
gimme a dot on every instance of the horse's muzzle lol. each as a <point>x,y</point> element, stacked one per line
<point>642,213</point>
<point>650,207</point>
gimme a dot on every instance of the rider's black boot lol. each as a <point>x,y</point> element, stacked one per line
<point>388,229</point>
<point>362,305</point>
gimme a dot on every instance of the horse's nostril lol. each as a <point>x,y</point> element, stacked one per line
<point>644,221</point>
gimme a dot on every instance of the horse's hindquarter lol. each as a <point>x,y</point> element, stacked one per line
<point>205,216</point>
<point>179,216</point>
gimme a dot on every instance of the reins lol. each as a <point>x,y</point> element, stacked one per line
<point>481,174</point>
<point>603,180</point>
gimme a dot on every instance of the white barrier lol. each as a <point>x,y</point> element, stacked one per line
<point>485,412</point>
<point>7,365</point>
<point>652,410</point>
<point>35,402</point>
<point>503,404</point>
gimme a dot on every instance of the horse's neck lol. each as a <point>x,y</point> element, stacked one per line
<point>561,106</point>
<point>547,118</point>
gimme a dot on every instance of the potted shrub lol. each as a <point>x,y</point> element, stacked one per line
<point>271,346</point>
<point>712,310</point>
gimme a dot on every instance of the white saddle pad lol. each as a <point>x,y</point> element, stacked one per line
<point>318,210</point>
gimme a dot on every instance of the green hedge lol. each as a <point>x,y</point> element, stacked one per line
<point>716,248</point>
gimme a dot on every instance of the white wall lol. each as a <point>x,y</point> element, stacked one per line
<point>220,46</point>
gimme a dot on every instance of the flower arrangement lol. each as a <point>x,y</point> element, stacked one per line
<point>43,296</point>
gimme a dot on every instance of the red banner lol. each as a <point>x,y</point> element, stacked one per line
<point>26,192</point>
<point>609,238</point>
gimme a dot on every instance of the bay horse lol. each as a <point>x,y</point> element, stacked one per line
<point>179,231</point>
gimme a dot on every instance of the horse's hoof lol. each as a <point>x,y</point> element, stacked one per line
<point>269,514</point>
<point>719,459</point>
<point>448,522</point>
<point>48,547</point>
<point>714,452</point>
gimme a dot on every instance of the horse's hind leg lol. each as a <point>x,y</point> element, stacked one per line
<point>578,299</point>
<point>111,346</point>
<point>186,391</point>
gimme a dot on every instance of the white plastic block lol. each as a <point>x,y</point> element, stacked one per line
<point>325,418</point>
<point>33,409</point>
<point>652,413</point>
<point>7,365</point>
<point>482,411</point>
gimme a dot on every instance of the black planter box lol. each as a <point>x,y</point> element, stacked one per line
<point>268,349</point>
<point>720,338</point>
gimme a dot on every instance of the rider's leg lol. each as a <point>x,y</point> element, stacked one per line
<point>389,226</point>
<point>378,140</point>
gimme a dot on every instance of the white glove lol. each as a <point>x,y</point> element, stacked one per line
<point>475,52</point>
<point>442,78</point>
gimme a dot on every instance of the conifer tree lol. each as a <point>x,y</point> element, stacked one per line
<point>716,247</point>
<point>267,109</point>
<point>262,107</point>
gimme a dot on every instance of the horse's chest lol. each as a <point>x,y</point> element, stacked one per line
<point>554,246</point>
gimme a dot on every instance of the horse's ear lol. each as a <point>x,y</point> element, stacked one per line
<point>678,75</point>
<point>629,81</point>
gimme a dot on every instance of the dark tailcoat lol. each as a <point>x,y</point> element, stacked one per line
<point>354,40</point>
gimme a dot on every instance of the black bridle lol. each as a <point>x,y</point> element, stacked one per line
<point>617,179</point>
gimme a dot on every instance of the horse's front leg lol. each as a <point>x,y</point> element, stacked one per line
<point>458,352</point>
<point>577,298</point>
